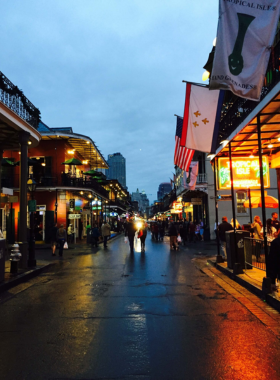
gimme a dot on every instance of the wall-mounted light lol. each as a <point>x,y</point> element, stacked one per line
<point>81,192</point>
<point>29,142</point>
<point>70,151</point>
<point>85,162</point>
<point>87,142</point>
<point>270,145</point>
<point>43,164</point>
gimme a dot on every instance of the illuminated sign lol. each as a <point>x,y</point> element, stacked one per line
<point>176,208</point>
<point>245,172</point>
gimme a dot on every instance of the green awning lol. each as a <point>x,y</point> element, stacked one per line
<point>72,161</point>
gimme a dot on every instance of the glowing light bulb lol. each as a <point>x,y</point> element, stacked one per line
<point>205,76</point>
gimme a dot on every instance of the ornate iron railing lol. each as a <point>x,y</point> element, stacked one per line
<point>236,109</point>
<point>14,98</point>
<point>201,178</point>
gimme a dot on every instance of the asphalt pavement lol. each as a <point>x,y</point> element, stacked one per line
<point>106,314</point>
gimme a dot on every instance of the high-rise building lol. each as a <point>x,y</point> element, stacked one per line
<point>164,188</point>
<point>142,199</point>
<point>117,168</point>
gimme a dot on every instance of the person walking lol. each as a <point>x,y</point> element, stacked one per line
<point>161,231</point>
<point>61,239</point>
<point>70,233</point>
<point>274,221</point>
<point>53,233</point>
<point>106,232</point>
<point>156,230</point>
<point>192,232</point>
<point>201,230</point>
<point>131,228</point>
<point>223,228</point>
<point>143,234</point>
<point>95,233</point>
<point>173,233</point>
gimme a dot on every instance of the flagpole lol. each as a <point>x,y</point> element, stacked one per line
<point>219,258</point>
<point>196,84</point>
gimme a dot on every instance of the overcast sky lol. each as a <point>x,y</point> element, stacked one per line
<point>111,70</point>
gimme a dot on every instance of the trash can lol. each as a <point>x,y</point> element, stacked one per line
<point>235,254</point>
<point>2,259</point>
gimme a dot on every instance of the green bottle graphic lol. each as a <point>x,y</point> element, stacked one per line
<point>235,59</point>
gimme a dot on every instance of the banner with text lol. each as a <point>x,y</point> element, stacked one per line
<point>246,31</point>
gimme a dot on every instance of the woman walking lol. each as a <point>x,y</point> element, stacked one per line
<point>143,234</point>
<point>61,239</point>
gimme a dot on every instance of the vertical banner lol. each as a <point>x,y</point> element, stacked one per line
<point>246,31</point>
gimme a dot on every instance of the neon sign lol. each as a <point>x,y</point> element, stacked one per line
<point>245,171</point>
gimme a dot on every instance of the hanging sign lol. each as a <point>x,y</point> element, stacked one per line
<point>72,204</point>
<point>245,171</point>
<point>74,216</point>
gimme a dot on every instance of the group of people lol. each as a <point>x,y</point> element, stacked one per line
<point>130,229</point>
<point>256,229</point>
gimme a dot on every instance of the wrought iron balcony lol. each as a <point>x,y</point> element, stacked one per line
<point>236,109</point>
<point>201,178</point>
<point>14,98</point>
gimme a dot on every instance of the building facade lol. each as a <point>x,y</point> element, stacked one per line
<point>117,168</point>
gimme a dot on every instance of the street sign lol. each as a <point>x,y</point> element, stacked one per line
<point>32,205</point>
<point>74,216</point>
<point>72,204</point>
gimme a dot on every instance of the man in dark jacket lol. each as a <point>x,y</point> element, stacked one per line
<point>131,228</point>
<point>173,233</point>
<point>223,227</point>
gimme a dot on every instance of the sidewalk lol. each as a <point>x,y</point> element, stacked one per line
<point>251,279</point>
<point>44,260</point>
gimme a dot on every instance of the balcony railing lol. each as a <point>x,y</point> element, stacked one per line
<point>201,178</point>
<point>13,182</point>
<point>236,109</point>
<point>14,98</point>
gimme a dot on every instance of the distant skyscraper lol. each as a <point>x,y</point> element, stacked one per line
<point>117,168</point>
<point>141,198</point>
<point>164,188</point>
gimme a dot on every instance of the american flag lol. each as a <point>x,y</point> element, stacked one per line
<point>182,155</point>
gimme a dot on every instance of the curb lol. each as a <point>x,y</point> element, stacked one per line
<point>23,277</point>
<point>272,301</point>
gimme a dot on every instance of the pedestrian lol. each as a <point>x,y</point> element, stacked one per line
<point>70,233</point>
<point>273,262</point>
<point>53,233</point>
<point>131,228</point>
<point>173,233</point>
<point>237,225</point>
<point>161,231</point>
<point>257,226</point>
<point>156,230</point>
<point>271,231</point>
<point>192,232</point>
<point>201,230</point>
<point>197,231</point>
<point>152,231</point>
<point>95,233</point>
<point>223,228</point>
<point>143,234</point>
<point>106,232</point>
<point>275,222</point>
<point>61,239</point>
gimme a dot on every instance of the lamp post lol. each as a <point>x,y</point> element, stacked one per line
<point>31,186</point>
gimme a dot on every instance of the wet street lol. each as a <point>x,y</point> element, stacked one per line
<point>104,314</point>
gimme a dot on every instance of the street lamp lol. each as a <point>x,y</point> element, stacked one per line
<point>31,186</point>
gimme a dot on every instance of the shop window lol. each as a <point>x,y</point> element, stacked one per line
<point>240,199</point>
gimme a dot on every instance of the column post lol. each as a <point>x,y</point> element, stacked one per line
<point>22,223</point>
